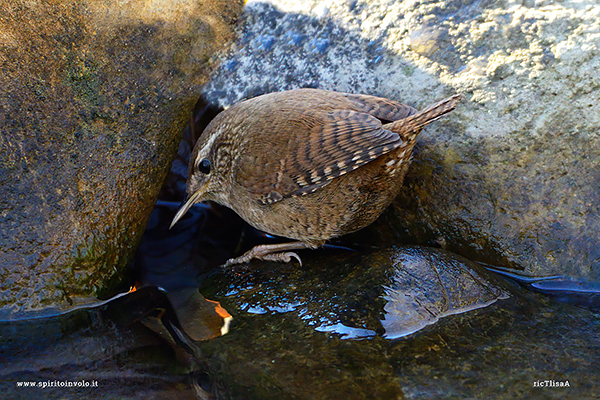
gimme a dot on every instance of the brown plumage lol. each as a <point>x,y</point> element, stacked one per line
<point>306,164</point>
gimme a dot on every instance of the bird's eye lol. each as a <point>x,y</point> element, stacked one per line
<point>204,166</point>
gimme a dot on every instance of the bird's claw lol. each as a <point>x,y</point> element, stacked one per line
<point>285,257</point>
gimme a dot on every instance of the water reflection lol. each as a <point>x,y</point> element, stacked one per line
<point>560,288</point>
<point>346,332</point>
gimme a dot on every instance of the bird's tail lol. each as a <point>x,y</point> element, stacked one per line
<point>416,122</point>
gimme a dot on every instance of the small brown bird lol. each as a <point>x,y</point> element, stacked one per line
<point>306,164</point>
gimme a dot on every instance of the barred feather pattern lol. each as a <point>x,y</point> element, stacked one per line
<point>320,139</point>
<point>347,140</point>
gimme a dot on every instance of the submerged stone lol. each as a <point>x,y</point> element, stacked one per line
<point>323,330</point>
<point>391,292</point>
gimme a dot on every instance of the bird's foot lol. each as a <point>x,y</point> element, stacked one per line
<point>285,257</point>
<point>270,252</point>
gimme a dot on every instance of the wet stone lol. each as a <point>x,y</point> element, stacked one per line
<point>325,331</point>
<point>392,292</point>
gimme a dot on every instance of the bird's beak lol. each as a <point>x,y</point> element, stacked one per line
<point>189,202</point>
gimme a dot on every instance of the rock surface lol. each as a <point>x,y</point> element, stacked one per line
<point>93,98</point>
<point>512,176</point>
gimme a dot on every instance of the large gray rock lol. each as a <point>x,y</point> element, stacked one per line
<point>93,97</point>
<point>512,176</point>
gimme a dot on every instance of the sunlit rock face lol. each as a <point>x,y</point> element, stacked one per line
<point>93,97</point>
<point>512,176</point>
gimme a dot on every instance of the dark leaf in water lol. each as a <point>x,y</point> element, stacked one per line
<point>200,318</point>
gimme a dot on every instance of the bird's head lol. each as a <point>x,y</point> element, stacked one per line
<point>205,178</point>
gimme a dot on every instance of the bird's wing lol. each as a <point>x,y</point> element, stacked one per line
<point>379,107</point>
<point>318,147</point>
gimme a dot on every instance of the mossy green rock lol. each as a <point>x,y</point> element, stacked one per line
<point>93,97</point>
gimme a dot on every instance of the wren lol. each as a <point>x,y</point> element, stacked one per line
<point>306,164</point>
